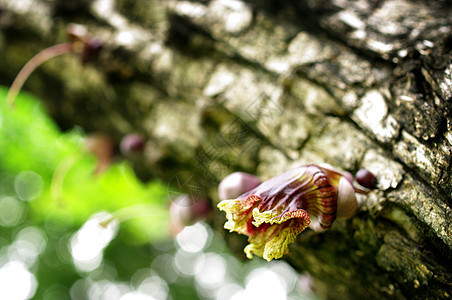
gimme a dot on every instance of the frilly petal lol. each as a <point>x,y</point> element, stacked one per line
<point>271,242</point>
<point>274,242</point>
<point>273,217</point>
<point>238,213</point>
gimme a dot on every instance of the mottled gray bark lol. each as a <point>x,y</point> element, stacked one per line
<point>220,86</point>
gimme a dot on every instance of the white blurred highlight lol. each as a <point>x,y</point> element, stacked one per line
<point>28,185</point>
<point>210,270</point>
<point>16,281</point>
<point>29,244</point>
<point>193,238</point>
<point>88,243</point>
<point>12,211</point>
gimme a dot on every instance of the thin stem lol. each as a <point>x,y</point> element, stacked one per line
<point>32,64</point>
<point>360,191</point>
<point>56,185</point>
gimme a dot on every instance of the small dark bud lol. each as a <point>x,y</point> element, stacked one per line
<point>87,46</point>
<point>366,179</point>
<point>132,144</point>
<point>91,50</point>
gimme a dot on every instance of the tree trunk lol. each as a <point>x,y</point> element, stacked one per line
<point>262,86</point>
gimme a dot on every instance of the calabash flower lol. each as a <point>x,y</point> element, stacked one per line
<point>276,211</point>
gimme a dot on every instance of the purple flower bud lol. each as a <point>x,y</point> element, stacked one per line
<point>366,179</point>
<point>236,184</point>
<point>91,50</point>
<point>132,144</point>
<point>84,44</point>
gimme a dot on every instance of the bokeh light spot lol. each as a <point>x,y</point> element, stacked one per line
<point>155,287</point>
<point>106,290</point>
<point>35,236</point>
<point>88,243</point>
<point>136,296</point>
<point>264,284</point>
<point>185,262</point>
<point>228,291</point>
<point>286,274</point>
<point>210,270</point>
<point>164,266</point>
<point>16,282</point>
<point>12,211</point>
<point>193,238</point>
<point>29,244</point>
<point>28,185</point>
<point>56,292</point>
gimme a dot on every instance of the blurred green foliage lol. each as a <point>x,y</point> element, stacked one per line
<point>30,141</point>
<point>32,150</point>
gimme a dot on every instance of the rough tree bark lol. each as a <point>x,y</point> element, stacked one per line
<point>261,86</point>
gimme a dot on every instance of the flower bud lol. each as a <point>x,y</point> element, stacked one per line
<point>366,179</point>
<point>236,184</point>
<point>132,144</point>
